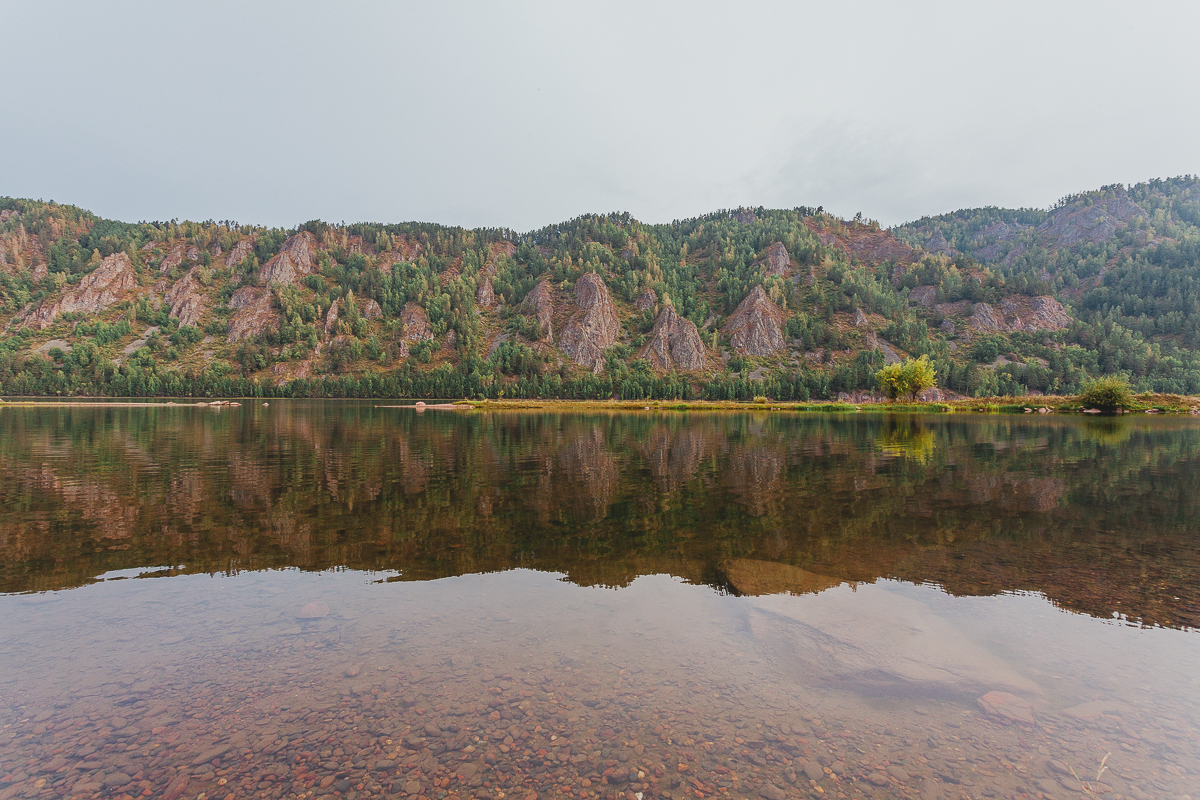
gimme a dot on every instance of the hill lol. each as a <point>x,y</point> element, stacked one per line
<point>792,304</point>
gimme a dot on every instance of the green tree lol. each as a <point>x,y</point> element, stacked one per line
<point>906,378</point>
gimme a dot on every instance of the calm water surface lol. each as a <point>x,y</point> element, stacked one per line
<point>334,599</point>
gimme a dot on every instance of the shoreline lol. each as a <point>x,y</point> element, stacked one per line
<point>1150,404</point>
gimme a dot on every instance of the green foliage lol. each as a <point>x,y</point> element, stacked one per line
<point>1108,394</point>
<point>906,378</point>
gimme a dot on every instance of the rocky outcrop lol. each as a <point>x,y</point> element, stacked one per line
<point>937,244</point>
<point>485,295</point>
<point>1094,223</point>
<point>239,251</point>
<point>372,310</point>
<point>1048,314</point>
<point>1020,313</point>
<point>415,323</point>
<point>540,302</point>
<point>186,300</point>
<point>331,317</point>
<point>594,326</point>
<point>296,258</point>
<point>646,300</point>
<point>985,318</point>
<point>253,313</point>
<point>923,296</point>
<point>756,327</point>
<point>779,261</point>
<point>172,259</point>
<point>674,343</point>
<point>97,291</point>
<point>860,319</point>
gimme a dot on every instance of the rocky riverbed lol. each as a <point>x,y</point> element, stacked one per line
<point>517,685</point>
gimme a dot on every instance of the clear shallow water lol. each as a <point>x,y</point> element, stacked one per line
<point>343,599</point>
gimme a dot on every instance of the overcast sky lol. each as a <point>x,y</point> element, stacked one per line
<point>524,114</point>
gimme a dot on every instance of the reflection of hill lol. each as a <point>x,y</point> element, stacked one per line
<point>1099,521</point>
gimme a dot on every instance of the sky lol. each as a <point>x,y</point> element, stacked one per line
<point>524,114</point>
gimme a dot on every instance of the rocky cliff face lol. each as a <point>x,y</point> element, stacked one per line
<point>485,295</point>
<point>1019,313</point>
<point>415,323</point>
<point>756,327</point>
<point>540,302</point>
<point>296,258</point>
<point>186,300</point>
<point>646,300</point>
<point>238,252</point>
<point>594,326</point>
<point>1094,223</point>
<point>252,314</point>
<point>779,261</point>
<point>674,343</point>
<point>99,290</point>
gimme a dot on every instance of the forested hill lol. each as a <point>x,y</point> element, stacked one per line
<point>791,304</point>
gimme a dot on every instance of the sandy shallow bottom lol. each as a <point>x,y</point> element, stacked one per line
<point>517,684</point>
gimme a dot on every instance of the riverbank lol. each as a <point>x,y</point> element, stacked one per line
<point>1044,404</point>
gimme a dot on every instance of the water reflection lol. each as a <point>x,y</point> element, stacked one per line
<point>1098,515</point>
<point>332,600</point>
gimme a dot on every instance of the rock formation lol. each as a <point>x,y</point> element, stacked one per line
<point>646,300</point>
<point>594,327</point>
<point>172,259</point>
<point>755,327</point>
<point>415,322</point>
<point>185,299</point>
<point>296,258</point>
<point>239,251</point>
<point>540,301</point>
<point>99,290</point>
<point>485,295</point>
<point>372,310</point>
<point>1020,314</point>
<point>779,261</point>
<point>331,317</point>
<point>674,343</point>
<point>252,315</point>
<point>923,296</point>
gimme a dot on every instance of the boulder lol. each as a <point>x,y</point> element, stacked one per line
<point>540,302</point>
<point>296,258</point>
<point>779,261</point>
<point>755,327</point>
<point>254,313</point>
<point>185,299</point>
<point>646,300</point>
<point>860,319</point>
<point>594,326</point>
<point>674,343</point>
<point>97,291</point>
<point>1007,705</point>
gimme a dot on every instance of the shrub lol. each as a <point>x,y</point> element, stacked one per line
<point>1107,394</point>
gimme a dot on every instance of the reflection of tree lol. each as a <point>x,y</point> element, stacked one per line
<point>1100,521</point>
